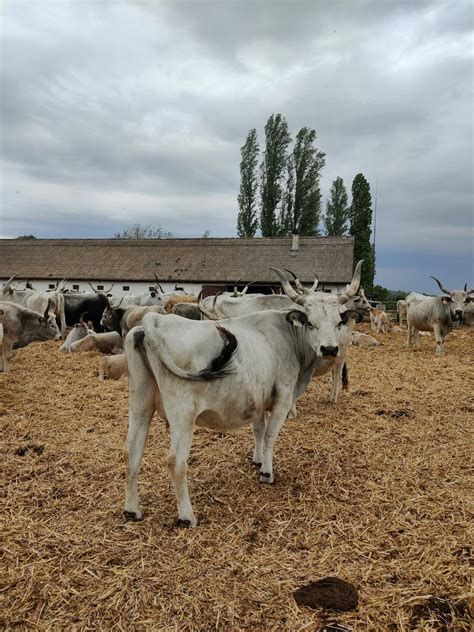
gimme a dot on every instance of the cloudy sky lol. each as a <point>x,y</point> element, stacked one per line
<point>116,111</point>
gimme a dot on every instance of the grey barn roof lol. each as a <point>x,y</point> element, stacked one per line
<point>187,260</point>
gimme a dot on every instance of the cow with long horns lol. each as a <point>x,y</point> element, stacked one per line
<point>435,313</point>
<point>244,370</point>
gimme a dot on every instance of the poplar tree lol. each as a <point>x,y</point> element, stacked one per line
<point>247,221</point>
<point>308,162</point>
<point>360,216</point>
<point>337,211</point>
<point>272,171</point>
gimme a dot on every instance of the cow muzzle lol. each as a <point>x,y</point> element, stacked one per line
<point>329,351</point>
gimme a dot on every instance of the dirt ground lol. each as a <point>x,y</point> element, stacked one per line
<point>375,490</point>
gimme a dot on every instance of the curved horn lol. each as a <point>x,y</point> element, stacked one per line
<point>289,291</point>
<point>6,287</point>
<point>244,291</point>
<point>93,288</point>
<point>315,283</point>
<point>48,307</point>
<point>203,310</point>
<point>107,291</point>
<point>158,283</point>
<point>299,286</point>
<point>236,291</point>
<point>214,306</point>
<point>354,286</point>
<point>81,318</point>
<point>443,289</point>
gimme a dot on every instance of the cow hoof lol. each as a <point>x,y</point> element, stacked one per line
<point>185,524</point>
<point>131,516</point>
<point>256,464</point>
<point>266,477</point>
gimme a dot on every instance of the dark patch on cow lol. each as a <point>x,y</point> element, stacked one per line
<point>138,339</point>
<point>439,612</point>
<point>219,366</point>
<point>331,593</point>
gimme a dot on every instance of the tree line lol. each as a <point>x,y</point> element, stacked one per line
<point>280,192</point>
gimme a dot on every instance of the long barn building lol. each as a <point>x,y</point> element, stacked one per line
<point>189,264</point>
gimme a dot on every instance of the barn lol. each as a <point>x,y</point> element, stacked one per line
<point>193,265</point>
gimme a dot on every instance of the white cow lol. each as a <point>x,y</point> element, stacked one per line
<point>435,313</point>
<point>244,370</point>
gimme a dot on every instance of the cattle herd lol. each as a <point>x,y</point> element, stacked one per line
<point>221,362</point>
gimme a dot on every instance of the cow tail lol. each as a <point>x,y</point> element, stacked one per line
<point>345,377</point>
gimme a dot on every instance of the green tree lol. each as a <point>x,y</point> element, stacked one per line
<point>360,216</point>
<point>140,231</point>
<point>247,221</point>
<point>272,171</point>
<point>25,237</point>
<point>337,211</point>
<point>308,162</point>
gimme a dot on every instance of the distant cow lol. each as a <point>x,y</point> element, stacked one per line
<point>435,313</point>
<point>401,311</point>
<point>113,367</point>
<point>174,299</point>
<point>363,340</point>
<point>187,310</point>
<point>110,342</point>
<point>79,331</point>
<point>21,325</point>
<point>122,319</point>
<point>92,304</point>
<point>379,320</point>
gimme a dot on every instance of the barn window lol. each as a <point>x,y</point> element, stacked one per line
<point>151,288</point>
<point>51,286</point>
<point>327,291</point>
<point>125,288</point>
<point>75,287</point>
<point>100,287</point>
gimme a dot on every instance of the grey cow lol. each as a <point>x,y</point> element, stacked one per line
<point>244,370</point>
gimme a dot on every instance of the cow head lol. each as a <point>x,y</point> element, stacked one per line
<point>112,316</point>
<point>47,326</point>
<point>457,300</point>
<point>323,317</point>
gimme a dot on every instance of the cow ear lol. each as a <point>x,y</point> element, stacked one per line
<point>41,319</point>
<point>469,299</point>
<point>446,300</point>
<point>297,318</point>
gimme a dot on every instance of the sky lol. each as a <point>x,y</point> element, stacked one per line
<point>122,111</point>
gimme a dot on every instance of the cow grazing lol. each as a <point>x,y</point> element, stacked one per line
<point>36,300</point>
<point>379,320</point>
<point>122,319</point>
<point>187,310</point>
<point>21,325</point>
<point>113,367</point>
<point>245,370</point>
<point>435,313</point>
<point>110,342</point>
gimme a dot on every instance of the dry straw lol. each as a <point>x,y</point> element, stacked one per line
<point>374,490</point>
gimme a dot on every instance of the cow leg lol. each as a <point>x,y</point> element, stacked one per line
<point>258,428</point>
<point>141,408</point>
<point>439,340</point>
<point>273,427</point>
<point>409,334</point>
<point>6,351</point>
<point>181,440</point>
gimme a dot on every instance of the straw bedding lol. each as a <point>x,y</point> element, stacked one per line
<point>374,491</point>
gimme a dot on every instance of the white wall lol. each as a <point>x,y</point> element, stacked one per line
<point>135,287</point>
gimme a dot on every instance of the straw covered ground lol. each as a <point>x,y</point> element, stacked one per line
<point>374,490</point>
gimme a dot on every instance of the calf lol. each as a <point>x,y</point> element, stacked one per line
<point>78,332</point>
<point>110,342</point>
<point>363,340</point>
<point>21,325</point>
<point>178,298</point>
<point>113,367</point>
<point>401,311</point>
<point>122,319</point>
<point>379,320</point>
